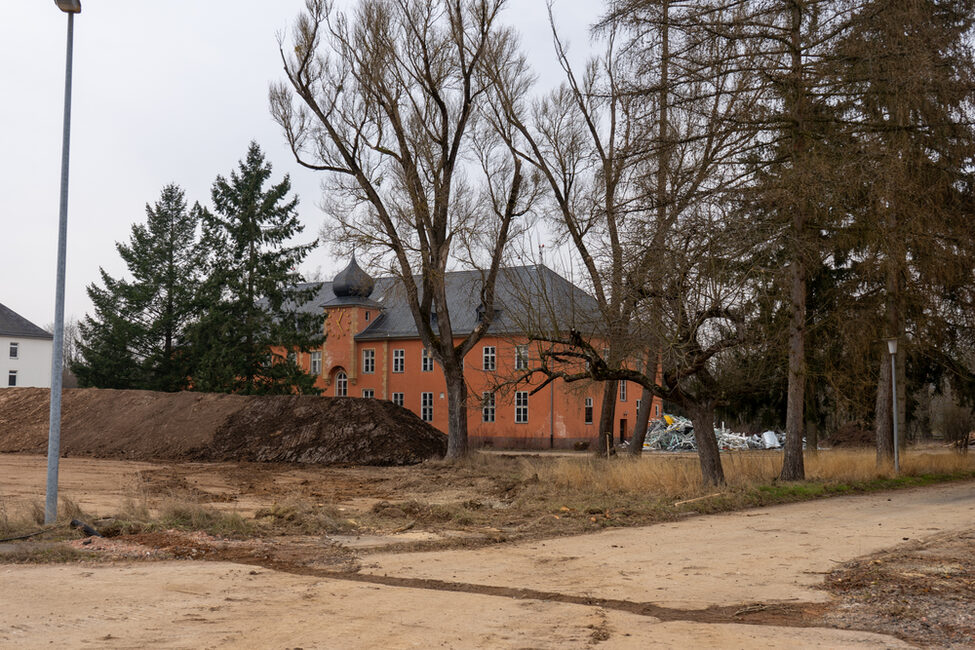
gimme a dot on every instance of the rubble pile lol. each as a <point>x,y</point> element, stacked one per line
<point>675,433</point>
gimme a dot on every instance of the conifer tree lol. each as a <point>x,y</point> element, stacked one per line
<point>908,73</point>
<point>250,318</point>
<point>133,340</point>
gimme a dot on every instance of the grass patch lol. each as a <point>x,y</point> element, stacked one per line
<point>29,518</point>
<point>135,517</point>
<point>586,493</point>
<point>182,515</point>
<point>298,517</point>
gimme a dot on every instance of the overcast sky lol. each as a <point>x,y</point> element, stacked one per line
<point>165,92</point>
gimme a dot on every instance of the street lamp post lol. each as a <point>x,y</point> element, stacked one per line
<point>70,7</point>
<point>892,349</point>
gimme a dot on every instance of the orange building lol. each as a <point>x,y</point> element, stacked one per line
<point>372,350</point>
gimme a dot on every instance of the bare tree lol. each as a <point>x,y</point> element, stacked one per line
<point>637,151</point>
<point>393,101</point>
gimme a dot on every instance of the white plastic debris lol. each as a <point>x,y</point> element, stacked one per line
<point>675,433</point>
<point>770,440</point>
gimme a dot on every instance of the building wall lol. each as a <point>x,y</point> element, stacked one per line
<point>556,414</point>
<point>33,362</point>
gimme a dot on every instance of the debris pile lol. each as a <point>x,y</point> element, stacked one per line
<point>675,433</point>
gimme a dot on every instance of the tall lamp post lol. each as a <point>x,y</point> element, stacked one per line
<point>892,349</point>
<point>70,7</point>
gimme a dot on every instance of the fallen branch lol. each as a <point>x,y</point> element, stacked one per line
<point>402,529</point>
<point>707,496</point>
<point>751,609</point>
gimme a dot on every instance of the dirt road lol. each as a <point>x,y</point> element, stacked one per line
<point>761,555</point>
<point>669,585</point>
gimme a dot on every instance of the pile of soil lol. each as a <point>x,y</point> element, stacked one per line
<point>146,425</point>
<point>325,431</point>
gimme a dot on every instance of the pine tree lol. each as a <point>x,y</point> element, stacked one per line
<point>250,295</point>
<point>133,340</point>
<point>908,72</point>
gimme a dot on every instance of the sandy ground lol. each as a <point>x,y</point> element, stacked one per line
<point>768,557</point>
<point>97,486</point>
<point>100,486</point>
<point>222,605</point>
<point>761,555</point>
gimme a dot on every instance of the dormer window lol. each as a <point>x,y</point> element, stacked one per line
<point>481,312</point>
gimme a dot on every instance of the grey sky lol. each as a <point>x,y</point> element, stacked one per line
<point>163,92</point>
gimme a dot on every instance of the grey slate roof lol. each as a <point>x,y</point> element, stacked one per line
<point>528,299</point>
<point>13,324</point>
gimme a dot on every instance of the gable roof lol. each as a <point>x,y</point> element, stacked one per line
<point>13,324</point>
<point>527,299</point>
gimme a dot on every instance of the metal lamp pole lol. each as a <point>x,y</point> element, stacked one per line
<point>892,349</point>
<point>70,7</point>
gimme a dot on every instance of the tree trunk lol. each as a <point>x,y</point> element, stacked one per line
<point>606,415</point>
<point>812,437</point>
<point>793,468</point>
<point>456,413</point>
<point>883,422</point>
<point>901,370</point>
<point>707,445</point>
<point>642,418</point>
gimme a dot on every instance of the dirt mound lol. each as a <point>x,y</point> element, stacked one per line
<point>326,430</point>
<point>145,425</point>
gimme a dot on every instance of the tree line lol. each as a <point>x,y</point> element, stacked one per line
<point>209,292</point>
<point>757,192</point>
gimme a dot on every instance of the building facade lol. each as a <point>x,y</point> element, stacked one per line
<point>25,352</point>
<point>372,350</point>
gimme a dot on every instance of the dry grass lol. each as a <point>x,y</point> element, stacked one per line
<point>184,515</point>
<point>29,517</point>
<point>679,476</point>
<point>299,516</point>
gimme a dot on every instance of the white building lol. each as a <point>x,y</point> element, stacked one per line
<point>25,352</point>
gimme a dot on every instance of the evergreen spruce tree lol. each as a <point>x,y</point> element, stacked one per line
<point>251,296</point>
<point>133,340</point>
<point>908,70</point>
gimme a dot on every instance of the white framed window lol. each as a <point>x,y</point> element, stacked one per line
<point>341,384</point>
<point>398,399</point>
<point>427,361</point>
<point>316,362</point>
<point>623,391</point>
<point>15,350</point>
<point>399,360</point>
<point>588,410</point>
<point>367,315</point>
<point>426,407</point>
<point>521,406</point>
<point>657,409</point>
<point>521,357</point>
<point>368,393</point>
<point>12,378</point>
<point>369,361</point>
<point>487,407</point>
<point>639,403</point>
<point>489,358</point>
<point>292,357</point>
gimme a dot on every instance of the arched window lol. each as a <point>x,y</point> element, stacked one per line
<point>341,384</point>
